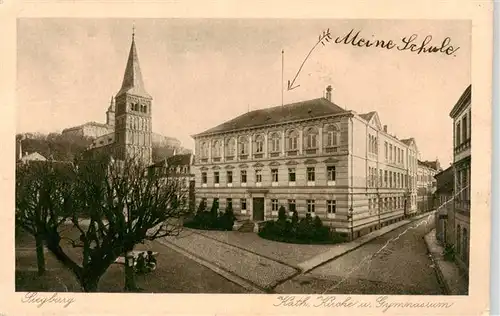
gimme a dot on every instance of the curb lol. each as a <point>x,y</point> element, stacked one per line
<point>248,285</point>
<point>416,218</point>
<point>437,269</point>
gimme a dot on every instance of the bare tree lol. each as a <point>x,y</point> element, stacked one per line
<point>123,205</point>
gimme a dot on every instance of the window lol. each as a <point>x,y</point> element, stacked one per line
<point>330,171</point>
<point>216,177</point>
<point>390,152</point>
<point>275,142</point>
<point>243,174</point>
<point>243,145</point>
<point>292,140</point>
<point>386,150</point>
<point>311,137</point>
<point>331,206</point>
<point>204,150</point>
<point>217,148</point>
<point>381,178</point>
<point>215,203</point>
<point>310,174</point>
<point>464,128</point>
<point>259,144</point>
<point>331,136</point>
<point>457,134</point>
<point>258,176</point>
<point>274,205</point>
<point>274,174</point>
<point>204,177</point>
<point>230,147</point>
<point>385,178</point>
<point>291,206</point>
<point>291,174</point>
<point>229,203</point>
<point>229,177</point>
<point>243,203</point>
<point>310,206</point>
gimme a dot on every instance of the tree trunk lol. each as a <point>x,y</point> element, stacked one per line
<point>40,255</point>
<point>130,284</point>
<point>90,283</point>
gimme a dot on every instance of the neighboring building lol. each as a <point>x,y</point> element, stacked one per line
<point>461,115</point>
<point>313,157</point>
<point>179,167</point>
<point>132,135</point>
<point>426,184</point>
<point>443,201</point>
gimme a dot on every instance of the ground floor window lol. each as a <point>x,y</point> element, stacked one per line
<point>243,204</point>
<point>229,203</point>
<point>331,206</point>
<point>274,205</point>
<point>291,206</point>
<point>310,206</point>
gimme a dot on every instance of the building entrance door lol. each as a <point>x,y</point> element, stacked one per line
<point>258,209</point>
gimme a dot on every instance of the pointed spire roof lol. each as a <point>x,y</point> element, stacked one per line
<point>132,80</point>
<point>111,107</point>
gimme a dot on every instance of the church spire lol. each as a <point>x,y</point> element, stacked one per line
<point>132,79</point>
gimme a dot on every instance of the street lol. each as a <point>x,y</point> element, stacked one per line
<point>402,267</point>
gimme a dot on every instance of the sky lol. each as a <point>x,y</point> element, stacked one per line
<point>202,72</point>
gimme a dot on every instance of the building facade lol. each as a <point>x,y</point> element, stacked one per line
<point>313,157</point>
<point>426,184</point>
<point>443,201</point>
<point>461,115</point>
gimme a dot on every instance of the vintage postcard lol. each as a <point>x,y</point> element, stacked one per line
<point>233,157</point>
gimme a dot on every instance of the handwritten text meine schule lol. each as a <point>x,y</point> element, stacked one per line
<point>383,303</point>
<point>413,43</point>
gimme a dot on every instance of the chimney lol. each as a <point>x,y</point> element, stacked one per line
<point>329,93</point>
<point>385,128</point>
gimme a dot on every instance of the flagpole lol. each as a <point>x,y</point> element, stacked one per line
<point>282,66</point>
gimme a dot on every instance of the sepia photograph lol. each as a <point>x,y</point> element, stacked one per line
<point>259,156</point>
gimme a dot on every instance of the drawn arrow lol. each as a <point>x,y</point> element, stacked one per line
<point>325,36</point>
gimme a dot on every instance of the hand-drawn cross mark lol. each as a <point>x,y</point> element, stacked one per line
<point>325,36</point>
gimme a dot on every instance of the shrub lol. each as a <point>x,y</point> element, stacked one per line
<point>282,213</point>
<point>305,230</point>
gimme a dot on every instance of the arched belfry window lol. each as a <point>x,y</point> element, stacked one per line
<point>331,136</point>
<point>274,142</point>
<point>259,144</point>
<point>311,138</point>
<point>292,140</point>
<point>243,145</point>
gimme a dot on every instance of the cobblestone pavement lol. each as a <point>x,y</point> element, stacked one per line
<point>261,271</point>
<point>402,267</point>
<point>292,254</point>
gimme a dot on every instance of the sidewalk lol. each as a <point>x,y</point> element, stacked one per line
<point>342,249</point>
<point>447,271</point>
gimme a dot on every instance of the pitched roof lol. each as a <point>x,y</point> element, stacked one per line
<point>33,157</point>
<point>367,116</point>
<point>278,114</point>
<point>430,164</point>
<point>175,160</point>
<point>132,79</point>
<point>407,141</point>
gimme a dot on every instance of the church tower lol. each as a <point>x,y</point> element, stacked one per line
<point>133,126</point>
<point>110,113</point>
